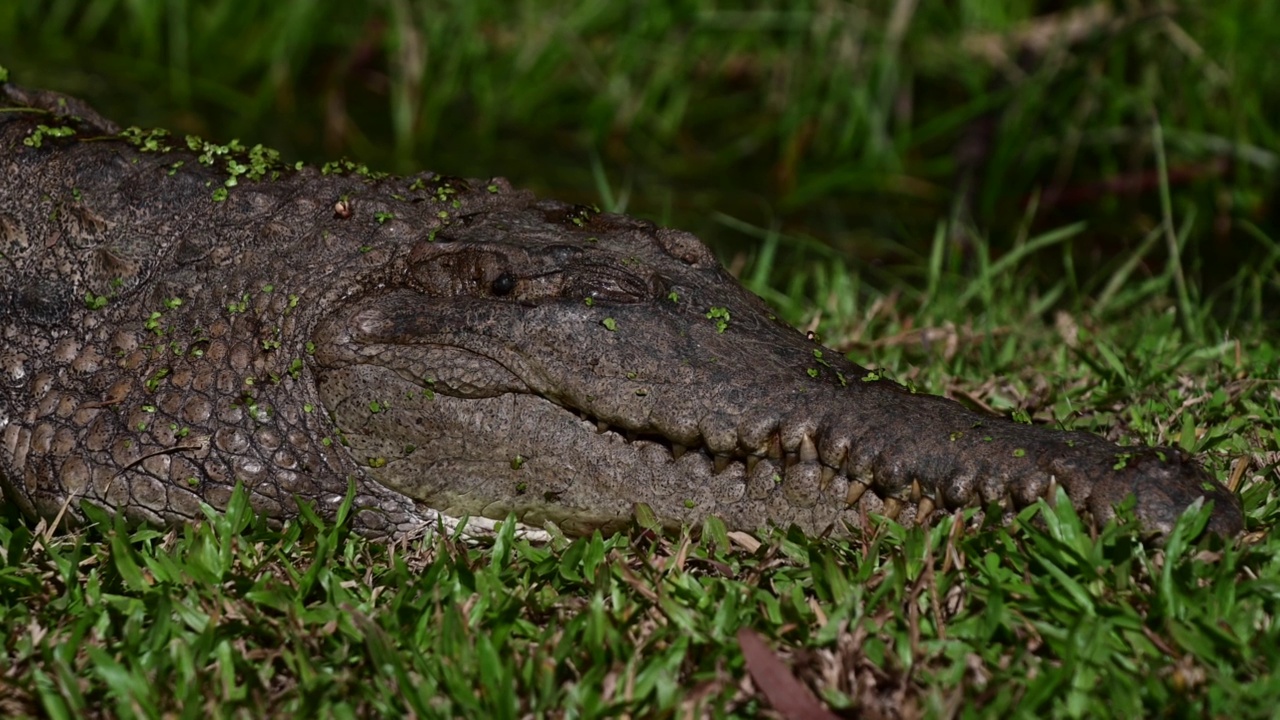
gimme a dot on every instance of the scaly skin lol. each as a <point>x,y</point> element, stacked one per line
<point>455,346</point>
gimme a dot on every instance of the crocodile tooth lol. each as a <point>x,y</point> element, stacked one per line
<point>678,450</point>
<point>722,464</point>
<point>856,489</point>
<point>790,459</point>
<point>1051,492</point>
<point>1005,501</point>
<point>828,474</point>
<point>808,451</point>
<point>924,509</point>
<point>775,447</point>
<point>892,508</point>
<point>752,462</point>
<point>916,492</point>
<point>602,427</point>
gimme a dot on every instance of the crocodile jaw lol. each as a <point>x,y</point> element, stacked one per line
<point>543,410</point>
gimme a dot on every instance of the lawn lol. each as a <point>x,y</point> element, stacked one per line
<point>1064,218</point>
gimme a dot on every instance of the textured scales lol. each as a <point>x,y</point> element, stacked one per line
<point>448,345</point>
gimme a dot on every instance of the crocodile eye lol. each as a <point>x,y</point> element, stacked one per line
<point>504,284</point>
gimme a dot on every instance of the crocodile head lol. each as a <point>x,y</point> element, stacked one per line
<point>566,365</point>
<point>474,350</point>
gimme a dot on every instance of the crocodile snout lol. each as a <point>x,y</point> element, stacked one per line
<point>1164,482</point>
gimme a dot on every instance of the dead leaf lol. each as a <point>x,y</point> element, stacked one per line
<point>790,697</point>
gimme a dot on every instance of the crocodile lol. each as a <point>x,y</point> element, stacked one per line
<point>179,318</point>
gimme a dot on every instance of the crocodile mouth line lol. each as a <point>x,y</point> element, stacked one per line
<point>924,497</point>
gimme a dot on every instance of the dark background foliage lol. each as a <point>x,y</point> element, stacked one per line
<point>858,129</point>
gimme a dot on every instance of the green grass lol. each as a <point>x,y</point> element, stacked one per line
<point>231,619</point>
<point>818,146</point>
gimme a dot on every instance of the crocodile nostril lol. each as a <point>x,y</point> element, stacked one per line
<point>685,247</point>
